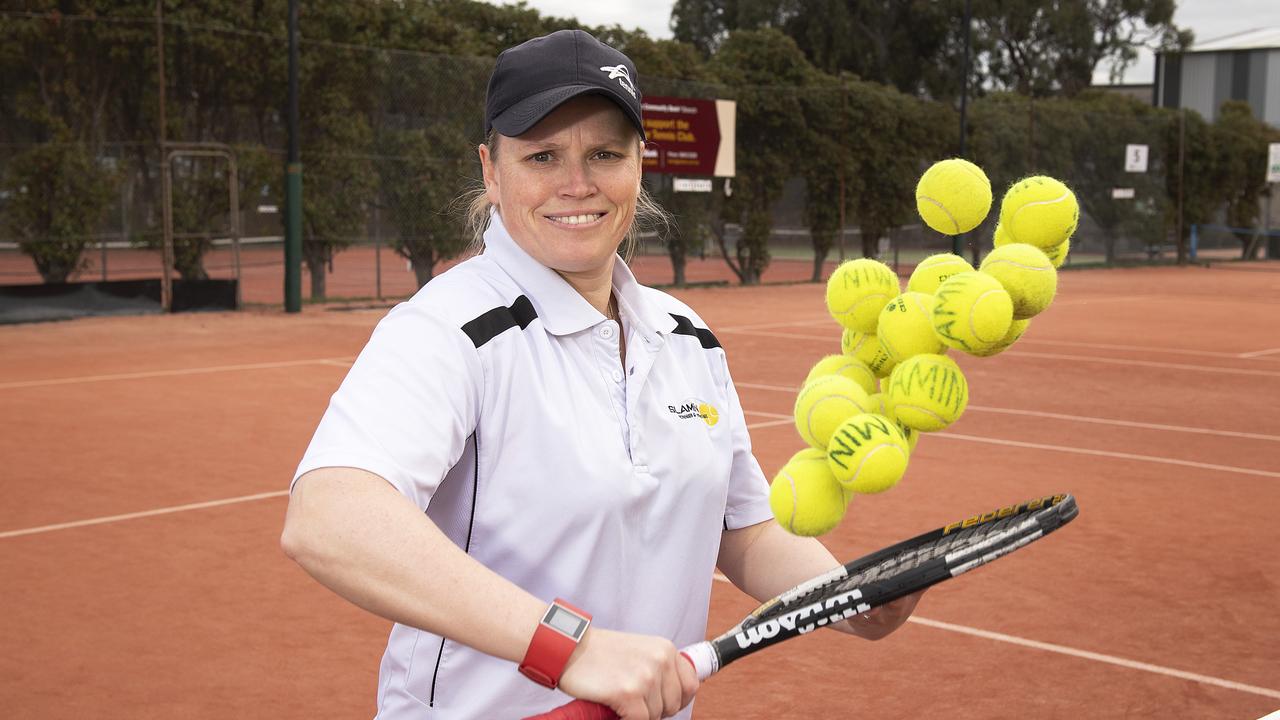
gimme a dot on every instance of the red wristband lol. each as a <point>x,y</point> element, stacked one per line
<point>557,635</point>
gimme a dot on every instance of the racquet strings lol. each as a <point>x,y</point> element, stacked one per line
<point>884,566</point>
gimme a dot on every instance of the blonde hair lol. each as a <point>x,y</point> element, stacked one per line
<point>649,216</point>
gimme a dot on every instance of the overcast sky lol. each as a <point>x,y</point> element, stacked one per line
<point>1209,19</point>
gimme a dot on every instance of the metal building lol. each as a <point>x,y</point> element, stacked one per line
<point>1243,66</point>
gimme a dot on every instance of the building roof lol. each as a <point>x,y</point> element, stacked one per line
<point>1267,37</point>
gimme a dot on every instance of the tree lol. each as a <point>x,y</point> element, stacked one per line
<point>201,206</point>
<point>1242,156</point>
<point>672,68</point>
<point>1194,183</point>
<point>1092,134</point>
<point>897,137</point>
<point>911,44</point>
<point>421,173</point>
<point>1039,47</point>
<point>765,71</point>
<point>57,196</point>
<point>829,174</point>
<point>59,81</point>
<point>340,183</point>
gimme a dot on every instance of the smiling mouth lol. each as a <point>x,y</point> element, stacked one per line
<point>572,220</point>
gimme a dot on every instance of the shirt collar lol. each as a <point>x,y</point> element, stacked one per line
<point>635,302</point>
<point>562,310</point>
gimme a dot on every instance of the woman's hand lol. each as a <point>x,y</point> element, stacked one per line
<point>881,621</point>
<point>640,677</point>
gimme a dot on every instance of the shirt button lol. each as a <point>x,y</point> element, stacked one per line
<point>617,376</point>
<point>606,331</point>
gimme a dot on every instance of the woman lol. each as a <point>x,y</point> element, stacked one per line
<point>534,424</point>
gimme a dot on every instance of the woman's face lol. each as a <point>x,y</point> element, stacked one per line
<point>567,188</point>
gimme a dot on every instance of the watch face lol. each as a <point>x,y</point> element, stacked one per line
<point>565,621</point>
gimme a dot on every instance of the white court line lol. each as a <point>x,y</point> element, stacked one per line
<point>1126,423</point>
<point>1110,298</point>
<point>1058,356</point>
<point>1097,657</point>
<point>792,336</point>
<point>784,420</point>
<point>1084,654</point>
<point>753,329</point>
<point>1073,418</point>
<point>771,423</point>
<point>774,415</point>
<point>760,386</point>
<point>1111,454</point>
<point>171,373</point>
<point>142,514</point>
<point>769,326</point>
<point>1135,348</point>
<point>781,420</point>
<point>1146,363</point>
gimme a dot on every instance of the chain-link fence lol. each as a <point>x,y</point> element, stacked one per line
<point>388,140</point>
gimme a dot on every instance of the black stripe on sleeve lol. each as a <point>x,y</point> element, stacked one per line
<point>500,319</point>
<point>684,326</point>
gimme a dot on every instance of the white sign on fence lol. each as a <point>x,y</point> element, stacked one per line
<point>692,185</point>
<point>1121,193</point>
<point>1273,163</point>
<point>1135,158</point>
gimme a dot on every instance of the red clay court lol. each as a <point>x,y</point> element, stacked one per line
<point>146,461</point>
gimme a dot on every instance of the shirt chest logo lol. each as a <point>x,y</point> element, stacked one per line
<point>694,408</point>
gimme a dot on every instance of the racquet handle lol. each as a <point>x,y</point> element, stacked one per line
<point>700,655</point>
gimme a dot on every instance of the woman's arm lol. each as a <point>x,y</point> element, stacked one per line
<point>355,534</point>
<point>763,560</point>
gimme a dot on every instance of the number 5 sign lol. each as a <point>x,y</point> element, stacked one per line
<point>1135,158</point>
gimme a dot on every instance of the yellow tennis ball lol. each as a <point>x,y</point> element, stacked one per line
<point>1026,274</point>
<point>878,403</point>
<point>850,367</point>
<point>1000,237</point>
<point>805,496</point>
<point>857,290</point>
<point>824,403</point>
<point>1016,329</point>
<point>866,347</point>
<point>953,196</point>
<point>906,326</point>
<point>932,270</point>
<point>1057,254</point>
<point>972,311</point>
<point>928,392</point>
<point>867,453</point>
<point>1039,210</point>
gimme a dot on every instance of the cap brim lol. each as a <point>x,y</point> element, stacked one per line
<point>519,118</point>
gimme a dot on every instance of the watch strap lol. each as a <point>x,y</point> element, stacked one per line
<point>558,633</point>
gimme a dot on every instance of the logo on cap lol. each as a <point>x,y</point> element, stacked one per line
<point>619,73</point>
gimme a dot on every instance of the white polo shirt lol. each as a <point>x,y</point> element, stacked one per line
<point>495,399</point>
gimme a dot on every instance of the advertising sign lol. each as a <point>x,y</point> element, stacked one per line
<point>689,136</point>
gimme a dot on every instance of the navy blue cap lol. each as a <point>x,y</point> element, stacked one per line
<point>535,77</point>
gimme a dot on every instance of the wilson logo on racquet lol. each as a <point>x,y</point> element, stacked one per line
<point>794,621</point>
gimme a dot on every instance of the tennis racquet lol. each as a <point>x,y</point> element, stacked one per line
<point>867,583</point>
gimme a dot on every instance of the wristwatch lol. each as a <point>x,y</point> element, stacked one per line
<point>558,633</point>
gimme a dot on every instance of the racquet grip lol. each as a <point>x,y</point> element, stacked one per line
<point>578,710</point>
<point>587,710</point>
